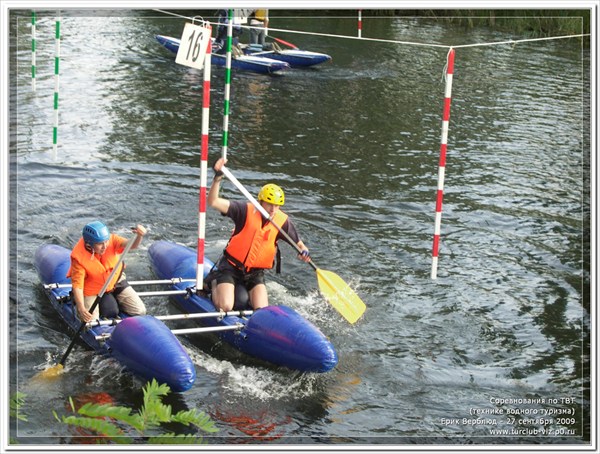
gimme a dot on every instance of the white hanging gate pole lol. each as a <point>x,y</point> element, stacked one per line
<point>227,95</point>
<point>56,86</point>
<point>33,46</point>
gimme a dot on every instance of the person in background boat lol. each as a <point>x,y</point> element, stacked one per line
<point>92,260</point>
<point>258,18</point>
<point>252,248</point>
<point>221,37</point>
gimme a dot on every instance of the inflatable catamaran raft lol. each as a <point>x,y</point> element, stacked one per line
<point>277,333</point>
<point>143,344</point>
<point>149,349</point>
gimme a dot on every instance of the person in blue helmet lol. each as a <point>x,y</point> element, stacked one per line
<point>92,260</point>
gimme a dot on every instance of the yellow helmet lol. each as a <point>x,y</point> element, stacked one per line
<point>271,193</point>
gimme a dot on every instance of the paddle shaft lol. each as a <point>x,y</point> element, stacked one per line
<point>97,301</point>
<point>285,43</point>
<point>262,211</point>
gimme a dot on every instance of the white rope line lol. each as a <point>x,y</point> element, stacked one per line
<point>392,41</point>
<point>379,40</point>
<point>510,41</point>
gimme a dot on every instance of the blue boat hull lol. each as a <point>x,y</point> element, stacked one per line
<point>245,62</point>
<point>276,334</point>
<point>144,345</point>
<point>296,58</point>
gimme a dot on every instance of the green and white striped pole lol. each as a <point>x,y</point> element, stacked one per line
<point>56,84</point>
<point>33,45</point>
<point>227,84</point>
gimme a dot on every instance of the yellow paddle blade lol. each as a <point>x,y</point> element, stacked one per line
<point>340,295</point>
<point>49,374</point>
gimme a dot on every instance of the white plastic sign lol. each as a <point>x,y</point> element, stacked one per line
<point>194,44</point>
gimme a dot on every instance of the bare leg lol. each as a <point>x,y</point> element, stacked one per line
<point>223,296</point>
<point>259,297</point>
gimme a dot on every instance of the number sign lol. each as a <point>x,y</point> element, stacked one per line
<point>194,44</point>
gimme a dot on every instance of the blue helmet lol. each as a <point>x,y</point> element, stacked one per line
<point>95,232</point>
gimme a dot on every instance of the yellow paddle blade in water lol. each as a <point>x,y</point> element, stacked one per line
<point>340,295</point>
<point>49,374</point>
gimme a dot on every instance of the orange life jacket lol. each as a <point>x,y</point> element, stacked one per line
<point>98,267</point>
<point>255,246</point>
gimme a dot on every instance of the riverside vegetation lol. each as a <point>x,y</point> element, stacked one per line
<point>106,423</point>
<point>531,23</point>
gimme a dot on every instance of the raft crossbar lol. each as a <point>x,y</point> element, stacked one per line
<point>176,317</point>
<point>212,329</point>
<point>174,280</point>
<point>56,285</point>
<point>164,292</point>
<point>205,315</point>
<point>209,329</point>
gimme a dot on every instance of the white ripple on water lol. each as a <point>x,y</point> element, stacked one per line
<point>265,384</point>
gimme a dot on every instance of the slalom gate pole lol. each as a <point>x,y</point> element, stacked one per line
<point>442,164</point>
<point>227,83</point>
<point>203,169</point>
<point>33,46</point>
<point>56,85</point>
<point>360,23</point>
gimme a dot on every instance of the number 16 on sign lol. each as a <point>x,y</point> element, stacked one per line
<point>194,45</point>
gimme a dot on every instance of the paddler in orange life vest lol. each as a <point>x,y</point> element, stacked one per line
<point>92,260</point>
<point>253,245</point>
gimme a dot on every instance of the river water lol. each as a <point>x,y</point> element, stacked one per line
<point>498,342</point>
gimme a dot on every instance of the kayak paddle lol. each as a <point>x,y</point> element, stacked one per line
<point>54,371</point>
<point>332,287</point>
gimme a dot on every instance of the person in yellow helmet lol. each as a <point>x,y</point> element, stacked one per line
<point>252,247</point>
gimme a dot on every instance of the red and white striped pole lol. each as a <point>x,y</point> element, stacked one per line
<point>442,164</point>
<point>359,23</point>
<point>203,168</point>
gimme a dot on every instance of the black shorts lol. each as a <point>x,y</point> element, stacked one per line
<point>229,274</point>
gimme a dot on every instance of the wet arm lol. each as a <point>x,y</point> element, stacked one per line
<point>213,199</point>
<point>77,279</point>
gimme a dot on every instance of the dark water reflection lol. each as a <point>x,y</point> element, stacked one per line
<point>355,144</point>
